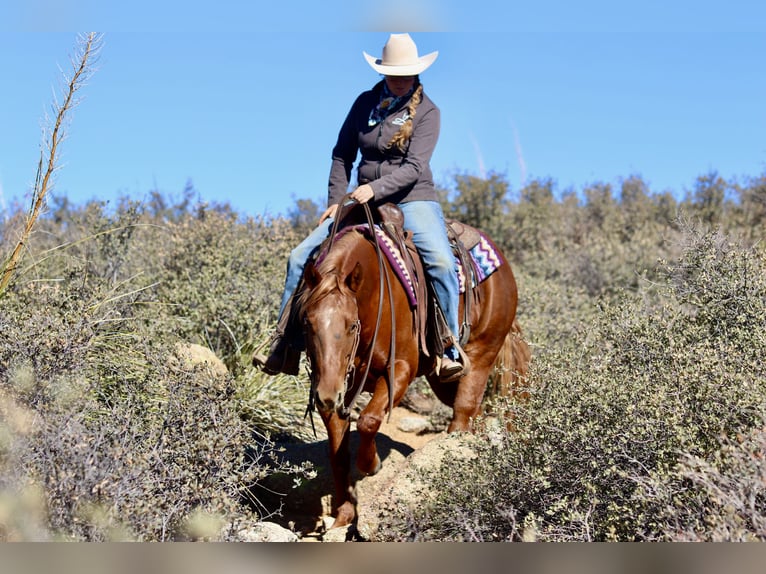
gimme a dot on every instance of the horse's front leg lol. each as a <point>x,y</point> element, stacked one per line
<point>370,419</point>
<point>340,461</point>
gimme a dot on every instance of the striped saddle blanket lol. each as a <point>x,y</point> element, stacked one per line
<point>483,258</point>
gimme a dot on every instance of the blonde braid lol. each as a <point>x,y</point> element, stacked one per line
<point>401,137</point>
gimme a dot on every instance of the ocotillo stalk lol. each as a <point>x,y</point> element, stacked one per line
<point>90,45</point>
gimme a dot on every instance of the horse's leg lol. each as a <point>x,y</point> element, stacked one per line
<point>367,459</point>
<point>469,395</point>
<point>340,461</point>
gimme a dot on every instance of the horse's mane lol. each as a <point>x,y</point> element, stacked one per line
<point>330,269</point>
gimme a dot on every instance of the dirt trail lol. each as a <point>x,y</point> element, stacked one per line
<point>307,510</point>
<point>391,429</point>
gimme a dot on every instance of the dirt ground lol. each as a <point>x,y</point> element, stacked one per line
<point>391,429</point>
<point>393,444</point>
<point>307,510</point>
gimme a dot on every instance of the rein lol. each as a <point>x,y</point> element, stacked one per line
<point>385,280</point>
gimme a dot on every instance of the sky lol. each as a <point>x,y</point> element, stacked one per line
<point>244,100</point>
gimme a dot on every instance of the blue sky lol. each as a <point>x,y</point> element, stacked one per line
<point>245,101</point>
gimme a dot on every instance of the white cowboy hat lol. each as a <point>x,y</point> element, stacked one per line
<point>400,57</point>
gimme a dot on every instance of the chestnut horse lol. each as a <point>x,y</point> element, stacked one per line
<point>360,335</point>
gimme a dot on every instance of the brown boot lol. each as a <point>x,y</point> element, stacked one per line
<point>282,358</point>
<point>451,370</point>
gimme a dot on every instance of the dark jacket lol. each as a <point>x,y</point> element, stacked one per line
<point>395,176</point>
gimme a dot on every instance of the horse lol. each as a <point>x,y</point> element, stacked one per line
<point>361,334</point>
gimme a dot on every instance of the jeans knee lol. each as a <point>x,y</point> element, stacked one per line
<point>442,265</point>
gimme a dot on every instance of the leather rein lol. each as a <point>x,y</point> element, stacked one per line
<point>385,281</point>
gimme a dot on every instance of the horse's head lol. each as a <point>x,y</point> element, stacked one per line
<point>331,322</point>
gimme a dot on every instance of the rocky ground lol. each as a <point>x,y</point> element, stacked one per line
<point>304,511</point>
<point>413,438</point>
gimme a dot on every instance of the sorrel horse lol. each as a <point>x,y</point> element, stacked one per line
<point>360,334</point>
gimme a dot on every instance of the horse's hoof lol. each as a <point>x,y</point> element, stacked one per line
<point>376,466</point>
<point>345,515</point>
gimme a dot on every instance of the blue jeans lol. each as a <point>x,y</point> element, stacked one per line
<point>426,222</point>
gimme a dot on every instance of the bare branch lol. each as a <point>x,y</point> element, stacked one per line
<point>88,48</point>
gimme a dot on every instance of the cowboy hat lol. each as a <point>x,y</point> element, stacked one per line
<point>400,57</point>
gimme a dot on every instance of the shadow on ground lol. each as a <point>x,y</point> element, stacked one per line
<point>301,505</point>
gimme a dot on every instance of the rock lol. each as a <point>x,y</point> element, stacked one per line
<point>190,355</point>
<point>414,425</point>
<point>398,484</point>
<point>337,534</point>
<point>264,532</point>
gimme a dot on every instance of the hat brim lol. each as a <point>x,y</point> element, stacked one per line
<point>407,70</point>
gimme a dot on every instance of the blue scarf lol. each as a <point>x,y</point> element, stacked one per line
<point>388,103</point>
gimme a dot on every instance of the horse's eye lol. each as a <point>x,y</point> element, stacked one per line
<point>353,327</point>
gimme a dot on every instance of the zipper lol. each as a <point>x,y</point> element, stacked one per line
<point>380,133</point>
<point>377,145</point>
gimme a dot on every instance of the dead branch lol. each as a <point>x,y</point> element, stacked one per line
<point>88,47</point>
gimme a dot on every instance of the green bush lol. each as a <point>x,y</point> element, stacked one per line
<point>644,421</point>
<point>128,439</point>
<point>721,498</point>
<point>658,379</point>
<point>220,279</point>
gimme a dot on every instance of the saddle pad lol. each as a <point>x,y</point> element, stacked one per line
<point>484,257</point>
<point>393,254</point>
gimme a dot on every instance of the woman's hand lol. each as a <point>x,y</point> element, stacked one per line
<point>363,193</point>
<point>329,212</point>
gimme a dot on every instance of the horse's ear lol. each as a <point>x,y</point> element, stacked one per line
<point>354,279</point>
<point>311,275</point>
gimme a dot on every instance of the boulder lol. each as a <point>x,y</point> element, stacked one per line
<point>191,355</point>
<point>398,485</point>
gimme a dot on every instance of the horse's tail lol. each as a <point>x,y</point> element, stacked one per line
<point>509,375</point>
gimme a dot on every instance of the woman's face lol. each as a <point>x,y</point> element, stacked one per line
<point>400,85</point>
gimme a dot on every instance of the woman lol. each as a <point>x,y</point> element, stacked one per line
<point>395,126</point>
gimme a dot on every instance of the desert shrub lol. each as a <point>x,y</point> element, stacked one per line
<point>127,440</point>
<point>107,432</point>
<point>748,215</point>
<point>659,379</point>
<point>718,498</point>
<point>599,242</point>
<point>220,278</point>
<point>141,465</point>
<point>553,314</point>
<point>212,277</point>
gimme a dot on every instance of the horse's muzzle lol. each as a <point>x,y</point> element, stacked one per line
<point>332,401</point>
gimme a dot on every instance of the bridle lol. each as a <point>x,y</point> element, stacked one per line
<point>385,281</point>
